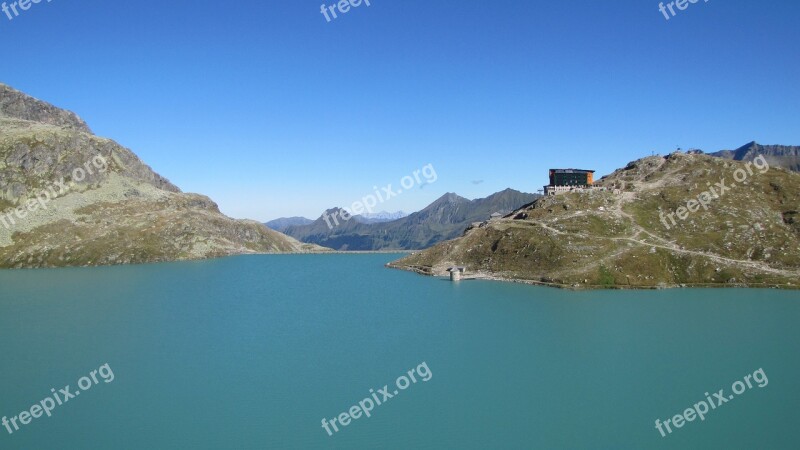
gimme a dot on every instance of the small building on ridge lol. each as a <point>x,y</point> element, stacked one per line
<point>565,180</point>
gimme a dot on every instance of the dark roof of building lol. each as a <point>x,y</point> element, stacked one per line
<point>571,171</point>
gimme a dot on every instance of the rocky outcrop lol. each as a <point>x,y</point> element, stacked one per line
<point>14,104</point>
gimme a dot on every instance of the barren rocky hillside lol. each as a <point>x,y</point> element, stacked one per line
<point>624,236</point>
<point>68,197</point>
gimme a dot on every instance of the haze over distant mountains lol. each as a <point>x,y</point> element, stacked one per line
<point>445,218</point>
<point>285,222</point>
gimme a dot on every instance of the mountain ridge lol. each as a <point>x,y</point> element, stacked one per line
<point>445,218</point>
<point>283,223</point>
<point>786,156</point>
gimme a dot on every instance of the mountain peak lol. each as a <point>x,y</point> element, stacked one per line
<point>450,197</point>
<point>504,193</point>
<point>17,105</point>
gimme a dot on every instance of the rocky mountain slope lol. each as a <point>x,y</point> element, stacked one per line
<point>380,217</point>
<point>784,156</point>
<point>443,219</point>
<point>285,222</point>
<point>748,235</point>
<point>70,198</point>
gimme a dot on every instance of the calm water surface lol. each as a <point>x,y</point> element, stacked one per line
<point>252,352</point>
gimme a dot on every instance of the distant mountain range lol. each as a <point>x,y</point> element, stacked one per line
<point>445,218</point>
<point>285,222</point>
<point>785,156</point>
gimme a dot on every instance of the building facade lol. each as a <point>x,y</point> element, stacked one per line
<point>571,177</point>
<point>565,180</point>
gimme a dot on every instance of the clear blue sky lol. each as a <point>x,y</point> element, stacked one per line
<point>272,111</point>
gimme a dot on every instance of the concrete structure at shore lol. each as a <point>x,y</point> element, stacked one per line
<point>456,273</point>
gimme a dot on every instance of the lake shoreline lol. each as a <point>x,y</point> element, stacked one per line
<point>483,276</point>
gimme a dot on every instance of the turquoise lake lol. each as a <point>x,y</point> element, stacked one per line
<point>252,352</point>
